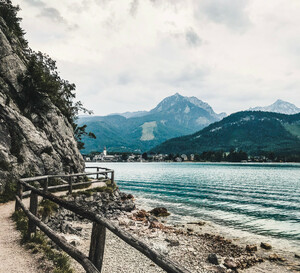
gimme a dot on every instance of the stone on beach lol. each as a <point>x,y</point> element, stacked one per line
<point>251,248</point>
<point>160,212</point>
<point>265,246</point>
<point>230,263</point>
<point>213,259</point>
<point>276,257</point>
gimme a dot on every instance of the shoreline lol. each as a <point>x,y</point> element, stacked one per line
<point>190,244</point>
<point>196,162</point>
<point>239,237</point>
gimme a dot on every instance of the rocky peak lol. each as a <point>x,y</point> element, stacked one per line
<point>279,106</point>
<point>185,103</point>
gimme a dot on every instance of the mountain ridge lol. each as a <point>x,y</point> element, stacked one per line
<point>175,115</point>
<point>251,131</point>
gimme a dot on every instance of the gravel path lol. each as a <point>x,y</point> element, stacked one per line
<point>119,257</point>
<point>14,258</point>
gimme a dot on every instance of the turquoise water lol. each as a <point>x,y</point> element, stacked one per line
<point>263,199</point>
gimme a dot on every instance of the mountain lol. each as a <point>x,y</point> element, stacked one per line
<point>140,131</point>
<point>252,132</point>
<point>131,114</point>
<point>279,106</point>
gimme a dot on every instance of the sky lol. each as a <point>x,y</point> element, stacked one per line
<point>127,55</point>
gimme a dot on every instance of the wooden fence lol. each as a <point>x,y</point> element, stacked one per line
<point>92,263</point>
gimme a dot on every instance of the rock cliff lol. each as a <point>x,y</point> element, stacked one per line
<point>31,142</point>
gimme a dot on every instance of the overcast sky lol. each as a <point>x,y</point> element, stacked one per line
<point>127,55</point>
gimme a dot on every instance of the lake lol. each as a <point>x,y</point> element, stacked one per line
<point>246,199</point>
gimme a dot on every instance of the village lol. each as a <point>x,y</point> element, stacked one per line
<point>232,156</point>
<point>132,157</point>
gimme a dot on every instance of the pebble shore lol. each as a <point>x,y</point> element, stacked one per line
<point>187,245</point>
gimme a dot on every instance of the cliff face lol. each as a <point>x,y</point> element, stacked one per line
<point>31,143</point>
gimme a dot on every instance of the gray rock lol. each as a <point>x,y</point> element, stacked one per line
<point>172,242</point>
<point>36,143</point>
<point>213,259</point>
<point>265,246</point>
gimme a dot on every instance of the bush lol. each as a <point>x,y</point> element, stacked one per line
<point>9,192</point>
<point>47,208</point>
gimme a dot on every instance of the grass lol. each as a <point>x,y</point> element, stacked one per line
<point>109,189</point>
<point>40,244</point>
<point>47,208</point>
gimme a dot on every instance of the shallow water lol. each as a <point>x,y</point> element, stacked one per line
<point>260,199</point>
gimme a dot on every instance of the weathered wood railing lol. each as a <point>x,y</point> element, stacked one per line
<point>93,263</point>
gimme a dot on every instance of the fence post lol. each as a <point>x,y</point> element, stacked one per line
<point>97,173</point>
<point>97,245</point>
<point>70,185</point>
<point>20,194</point>
<point>33,209</point>
<point>112,177</point>
<point>46,185</point>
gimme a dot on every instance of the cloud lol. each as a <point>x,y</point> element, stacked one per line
<point>231,13</point>
<point>36,3</point>
<point>128,55</point>
<point>52,14</point>
<point>192,37</point>
<point>134,7</point>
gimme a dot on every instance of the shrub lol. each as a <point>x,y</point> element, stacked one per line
<point>47,208</point>
<point>9,192</point>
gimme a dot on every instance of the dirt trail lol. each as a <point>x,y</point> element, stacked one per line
<point>14,258</point>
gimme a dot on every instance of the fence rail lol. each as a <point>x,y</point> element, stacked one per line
<point>93,263</point>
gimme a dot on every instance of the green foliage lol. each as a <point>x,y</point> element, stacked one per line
<point>145,156</point>
<point>47,208</point>
<point>21,222</point>
<point>9,192</point>
<point>16,144</point>
<point>9,13</point>
<point>42,81</point>
<point>80,132</point>
<point>109,189</point>
<point>40,244</point>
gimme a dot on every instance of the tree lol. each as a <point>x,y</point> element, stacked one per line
<point>145,156</point>
<point>41,81</point>
<point>9,13</point>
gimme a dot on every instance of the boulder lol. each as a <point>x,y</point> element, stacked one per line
<point>251,248</point>
<point>265,246</point>
<point>213,259</point>
<point>141,215</point>
<point>160,212</point>
<point>276,257</point>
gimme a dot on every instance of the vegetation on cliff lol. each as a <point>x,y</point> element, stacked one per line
<point>41,80</point>
<point>38,110</point>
